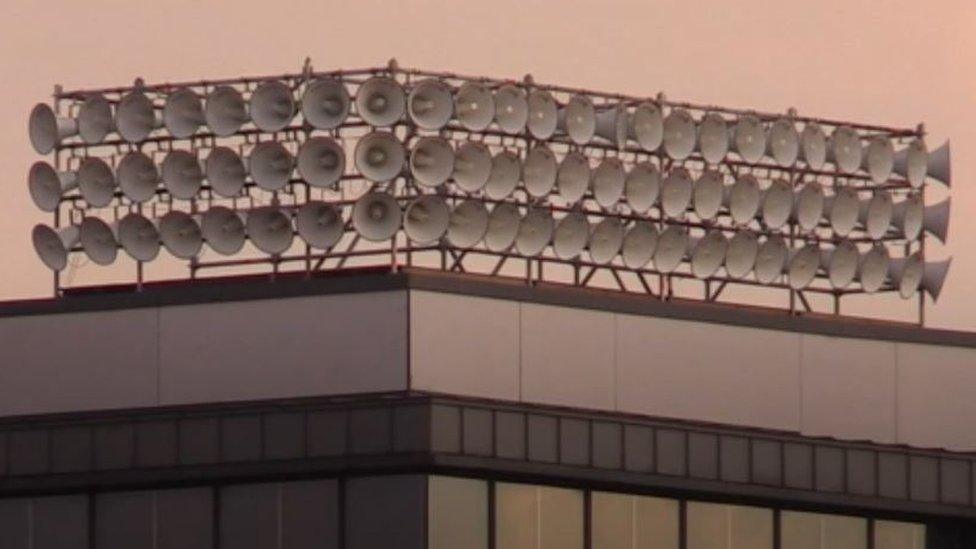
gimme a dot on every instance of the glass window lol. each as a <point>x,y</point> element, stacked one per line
<point>718,526</point>
<point>633,522</point>
<point>457,513</point>
<point>817,531</point>
<point>538,517</point>
<point>898,535</point>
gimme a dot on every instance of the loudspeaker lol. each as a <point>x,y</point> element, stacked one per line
<point>740,257</point>
<point>183,113</point>
<point>915,163</point>
<point>845,149</point>
<point>643,186</point>
<point>503,227</point>
<point>777,203</point>
<point>571,236</point>
<point>325,103</point>
<point>319,224</point>
<point>639,245</point>
<point>749,138</point>
<point>543,114</point>
<point>539,171</point>
<point>713,138</point>
<point>376,216</point>
<point>577,119</point>
<point>936,220</point>
<point>225,171</point>
<point>474,106</point>
<point>47,186</point>
<point>802,266</point>
<point>182,174</point>
<point>808,209</point>
<point>534,232</point>
<point>872,269</point>
<point>139,237</point>
<point>606,240</point>
<point>223,230</point>
<point>380,101</point>
<point>876,213</point>
<point>744,199</point>
<point>135,117</point>
<point>225,111</point>
<point>672,244</point>
<point>95,119</point>
<point>770,260</point>
<point>909,215</point>
<point>573,177</point>
<point>680,134</point>
<point>933,277</point>
<point>646,126</point>
<point>321,161</point>
<point>426,219</point>
<point>879,159</point>
<point>468,224</point>
<point>47,129</point>
<point>708,254</point>
<point>611,124</point>
<point>53,245</point>
<point>431,161</point>
<point>783,144</point>
<point>270,229</point>
<point>98,240</point>
<point>511,109</point>
<point>137,176</point>
<point>430,104</point>
<point>841,263</point>
<point>813,146</point>
<point>506,171</point>
<point>608,182</point>
<point>676,193</point>
<point>180,234</point>
<point>379,156</point>
<point>708,194</point>
<point>843,209</point>
<point>96,182</point>
<point>272,106</point>
<point>472,166</point>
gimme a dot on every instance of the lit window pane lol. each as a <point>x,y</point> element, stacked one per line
<point>800,530</point>
<point>717,526</point>
<point>818,531</point>
<point>898,535</point>
<point>841,532</point>
<point>516,516</point>
<point>613,521</point>
<point>561,518</point>
<point>457,513</point>
<point>752,527</point>
<point>657,523</point>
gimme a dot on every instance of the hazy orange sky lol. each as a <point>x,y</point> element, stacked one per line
<point>889,62</point>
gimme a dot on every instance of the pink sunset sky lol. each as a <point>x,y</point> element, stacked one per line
<point>894,63</point>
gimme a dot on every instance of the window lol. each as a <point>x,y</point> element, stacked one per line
<point>718,526</point>
<point>457,513</point>
<point>538,517</point>
<point>898,535</point>
<point>621,521</point>
<point>816,531</point>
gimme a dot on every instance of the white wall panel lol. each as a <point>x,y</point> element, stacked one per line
<point>278,348</point>
<point>937,396</point>
<point>848,388</point>
<point>78,361</point>
<point>464,345</point>
<point>708,372</point>
<point>568,356</point>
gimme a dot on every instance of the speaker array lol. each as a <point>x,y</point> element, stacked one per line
<point>506,167</point>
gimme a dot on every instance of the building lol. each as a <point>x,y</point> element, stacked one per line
<point>425,409</point>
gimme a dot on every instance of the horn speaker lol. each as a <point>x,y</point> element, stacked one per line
<point>672,244</point>
<point>708,254</point>
<point>802,266</point>
<point>713,138</point>
<point>879,158</point>
<point>225,172</point>
<point>606,240</point>
<point>543,114</point>
<point>784,142</point>
<point>95,119</point>
<point>503,227</point>
<point>47,129</point>
<point>376,216</point>
<point>138,176</point>
<point>474,106</point>
<point>321,161</point>
<point>139,237</point>
<point>380,101</point>
<point>876,214</point>
<point>223,230</point>
<point>426,219</point>
<point>269,229</point>
<point>326,103</point>
<point>777,203</point>
<point>611,125</point>
<point>841,264</point>
<point>571,236</point>
<point>646,126</point>
<point>431,161</point>
<point>96,182</point>
<point>608,182</point>
<point>749,138</point>
<point>908,216</point>
<point>319,224</point>
<point>770,260</point>
<point>468,224</point>
<point>506,171</point>
<point>744,199</point>
<point>573,177</point>
<point>740,257</point>
<point>708,194</point>
<point>578,119</point>
<point>180,234</point>
<point>843,209</point>
<point>225,111</point>
<point>472,166</point>
<point>639,245</point>
<point>53,245</point>
<point>135,117</point>
<point>430,104</point>
<point>813,146</point>
<point>809,207</point>
<point>98,240</point>
<point>511,109</point>
<point>379,156</point>
<point>872,268</point>
<point>933,277</point>
<point>676,191</point>
<point>534,232</point>
<point>915,163</point>
<point>47,186</point>
<point>642,187</point>
<point>183,113</point>
<point>845,149</point>
<point>272,106</point>
<point>539,171</point>
<point>680,134</point>
<point>182,174</point>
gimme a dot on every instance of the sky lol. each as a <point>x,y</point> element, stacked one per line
<point>893,62</point>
